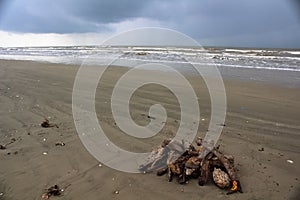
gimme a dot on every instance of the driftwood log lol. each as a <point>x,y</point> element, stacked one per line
<point>228,163</point>
<point>47,124</point>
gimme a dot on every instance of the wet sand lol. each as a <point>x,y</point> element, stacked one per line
<point>260,115</point>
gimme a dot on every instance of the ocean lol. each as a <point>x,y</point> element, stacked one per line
<point>270,64</point>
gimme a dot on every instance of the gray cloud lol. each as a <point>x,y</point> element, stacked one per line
<point>68,16</point>
<point>213,18</point>
<point>104,11</point>
<point>204,19</point>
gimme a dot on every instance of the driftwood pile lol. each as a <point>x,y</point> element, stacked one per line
<point>52,191</point>
<point>182,160</point>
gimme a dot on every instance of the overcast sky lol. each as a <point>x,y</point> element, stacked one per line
<point>244,23</point>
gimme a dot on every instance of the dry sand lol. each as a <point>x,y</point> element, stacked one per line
<point>259,116</point>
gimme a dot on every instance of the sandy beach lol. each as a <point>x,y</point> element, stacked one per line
<point>260,115</point>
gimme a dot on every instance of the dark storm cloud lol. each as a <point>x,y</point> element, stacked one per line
<point>67,16</point>
<point>104,11</point>
<point>219,17</point>
<point>199,19</point>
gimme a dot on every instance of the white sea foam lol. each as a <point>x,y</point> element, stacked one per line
<point>293,52</point>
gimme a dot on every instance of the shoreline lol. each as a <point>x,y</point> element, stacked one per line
<point>259,115</point>
<point>275,77</point>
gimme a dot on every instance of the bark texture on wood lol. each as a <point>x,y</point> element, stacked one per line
<point>228,164</point>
